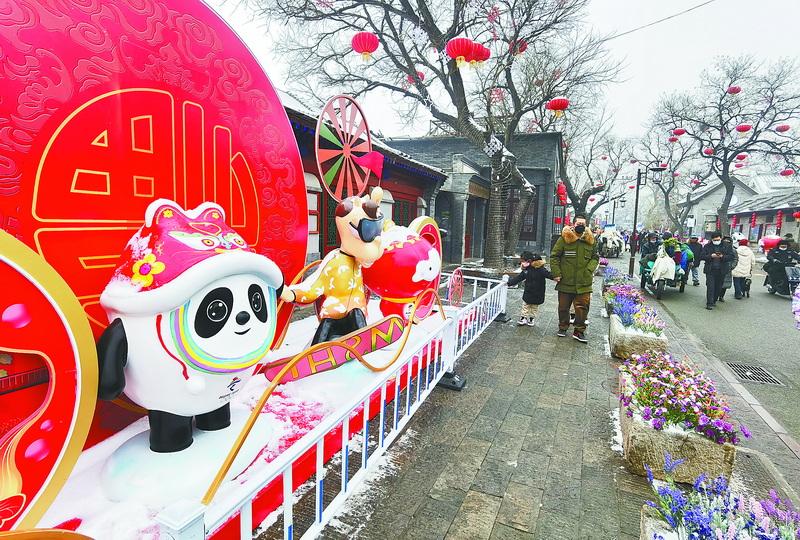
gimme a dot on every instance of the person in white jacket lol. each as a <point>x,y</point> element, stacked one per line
<point>743,269</point>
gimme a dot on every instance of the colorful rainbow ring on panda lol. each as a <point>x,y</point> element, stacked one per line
<point>193,355</point>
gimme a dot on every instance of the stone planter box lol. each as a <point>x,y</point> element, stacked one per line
<point>642,445</point>
<point>651,524</point>
<point>626,342</point>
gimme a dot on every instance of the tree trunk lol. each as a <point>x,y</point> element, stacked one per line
<point>496,220</point>
<point>677,220</point>
<point>722,211</point>
<point>515,227</point>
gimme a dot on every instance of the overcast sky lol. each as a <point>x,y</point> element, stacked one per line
<point>664,57</point>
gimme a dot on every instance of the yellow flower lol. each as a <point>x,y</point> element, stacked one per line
<point>145,268</point>
<point>168,213</point>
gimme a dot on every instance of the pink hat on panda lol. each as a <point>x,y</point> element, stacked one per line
<point>176,253</point>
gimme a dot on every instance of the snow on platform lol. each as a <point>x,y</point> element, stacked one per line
<point>95,493</point>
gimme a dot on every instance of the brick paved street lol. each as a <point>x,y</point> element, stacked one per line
<point>525,450</point>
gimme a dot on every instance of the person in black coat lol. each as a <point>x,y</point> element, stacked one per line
<point>718,257</point>
<point>534,273</point>
<point>777,260</point>
<point>697,248</point>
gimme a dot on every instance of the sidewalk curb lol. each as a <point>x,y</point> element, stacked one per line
<point>736,384</point>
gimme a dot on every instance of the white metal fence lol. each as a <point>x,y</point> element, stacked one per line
<point>397,395</point>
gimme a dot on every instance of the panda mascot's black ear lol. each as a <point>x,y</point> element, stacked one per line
<point>112,356</point>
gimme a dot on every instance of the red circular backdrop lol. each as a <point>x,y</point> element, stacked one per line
<point>107,105</point>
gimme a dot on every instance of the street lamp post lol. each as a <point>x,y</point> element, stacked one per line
<point>635,233</point>
<point>640,181</point>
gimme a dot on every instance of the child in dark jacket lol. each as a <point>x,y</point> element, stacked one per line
<point>533,274</point>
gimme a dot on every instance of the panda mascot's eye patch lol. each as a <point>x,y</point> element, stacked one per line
<point>213,312</point>
<point>257,302</point>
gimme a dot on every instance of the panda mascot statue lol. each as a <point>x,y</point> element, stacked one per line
<point>192,310</point>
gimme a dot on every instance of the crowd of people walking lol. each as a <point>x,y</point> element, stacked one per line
<point>726,262</point>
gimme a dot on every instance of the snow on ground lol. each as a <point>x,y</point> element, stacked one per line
<point>616,438</point>
<point>359,505</point>
<point>292,411</point>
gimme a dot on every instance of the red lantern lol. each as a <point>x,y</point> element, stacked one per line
<point>591,199</point>
<point>783,128</point>
<point>708,151</point>
<point>631,186</point>
<point>678,131</point>
<point>664,165</point>
<point>734,89</point>
<point>459,49</point>
<point>557,220</point>
<point>558,105</point>
<point>739,165</point>
<point>676,174</point>
<point>787,172</point>
<point>753,220</point>
<point>561,191</point>
<point>796,215</point>
<point>633,161</point>
<point>604,158</point>
<point>484,53</point>
<point>778,219</point>
<point>734,221</point>
<point>743,128</point>
<point>420,77</point>
<point>475,54</point>
<point>741,156</point>
<point>673,139</point>
<point>517,47</point>
<point>567,219</point>
<point>695,182</point>
<point>365,43</point>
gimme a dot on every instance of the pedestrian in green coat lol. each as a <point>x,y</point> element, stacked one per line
<point>573,261</point>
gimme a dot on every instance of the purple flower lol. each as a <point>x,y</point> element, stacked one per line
<point>671,464</point>
<point>745,431</point>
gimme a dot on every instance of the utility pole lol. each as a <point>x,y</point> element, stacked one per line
<point>635,240</point>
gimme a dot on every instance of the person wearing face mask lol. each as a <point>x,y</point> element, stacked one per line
<point>727,280</point>
<point>717,257</point>
<point>792,244</point>
<point>777,260</point>
<point>650,246</point>
<point>649,251</point>
<point>573,260</point>
<point>697,248</point>
<point>743,270</point>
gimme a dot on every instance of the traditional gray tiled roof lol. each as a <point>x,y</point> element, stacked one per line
<point>784,199</point>
<point>533,150</point>
<point>714,185</point>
